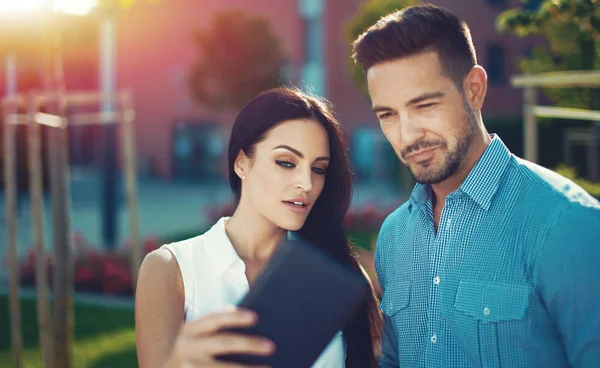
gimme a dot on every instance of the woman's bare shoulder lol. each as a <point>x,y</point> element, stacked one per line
<point>160,267</point>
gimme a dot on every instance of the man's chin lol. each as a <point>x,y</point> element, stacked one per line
<point>429,175</point>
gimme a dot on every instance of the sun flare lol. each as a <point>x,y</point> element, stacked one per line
<point>75,7</point>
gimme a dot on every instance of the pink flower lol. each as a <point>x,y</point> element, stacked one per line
<point>150,244</point>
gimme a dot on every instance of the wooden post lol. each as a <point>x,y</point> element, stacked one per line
<point>37,210</point>
<point>592,153</point>
<point>61,199</point>
<point>567,147</point>
<point>63,266</point>
<point>530,129</point>
<point>130,168</point>
<point>10,188</point>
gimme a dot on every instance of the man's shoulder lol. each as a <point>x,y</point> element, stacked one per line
<point>552,190</point>
<point>397,217</point>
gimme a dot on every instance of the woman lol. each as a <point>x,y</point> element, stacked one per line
<point>289,170</point>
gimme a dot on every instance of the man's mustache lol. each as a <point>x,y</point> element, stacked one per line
<point>422,144</point>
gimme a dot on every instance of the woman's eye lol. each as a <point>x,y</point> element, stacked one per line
<point>318,170</point>
<point>286,164</point>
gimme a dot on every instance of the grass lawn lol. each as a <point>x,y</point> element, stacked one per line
<point>104,337</point>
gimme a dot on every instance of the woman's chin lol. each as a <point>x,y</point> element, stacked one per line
<point>289,223</point>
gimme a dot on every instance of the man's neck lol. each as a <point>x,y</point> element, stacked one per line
<point>442,189</point>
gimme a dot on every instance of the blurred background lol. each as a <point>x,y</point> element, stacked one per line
<point>190,66</point>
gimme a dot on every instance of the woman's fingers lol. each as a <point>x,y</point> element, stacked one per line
<point>234,365</point>
<point>226,344</point>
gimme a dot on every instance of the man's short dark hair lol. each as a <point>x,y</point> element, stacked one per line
<point>414,30</point>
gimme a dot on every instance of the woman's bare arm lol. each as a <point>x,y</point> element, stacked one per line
<point>165,341</point>
<point>159,303</point>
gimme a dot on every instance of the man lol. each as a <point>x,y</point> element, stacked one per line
<point>493,261</point>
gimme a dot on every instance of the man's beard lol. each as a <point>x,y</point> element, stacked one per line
<point>452,160</point>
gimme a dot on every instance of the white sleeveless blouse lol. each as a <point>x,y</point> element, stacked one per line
<point>214,276</point>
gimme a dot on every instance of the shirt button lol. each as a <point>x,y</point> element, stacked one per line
<point>433,339</point>
<point>436,280</point>
<point>486,311</point>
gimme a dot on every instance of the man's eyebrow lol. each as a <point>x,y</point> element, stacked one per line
<point>378,108</point>
<point>414,101</point>
<point>425,96</point>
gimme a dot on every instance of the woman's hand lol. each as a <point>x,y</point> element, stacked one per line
<point>164,340</point>
<point>202,341</point>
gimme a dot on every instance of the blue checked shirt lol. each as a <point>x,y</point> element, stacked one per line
<point>510,279</point>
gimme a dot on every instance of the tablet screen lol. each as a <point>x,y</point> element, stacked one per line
<point>302,298</point>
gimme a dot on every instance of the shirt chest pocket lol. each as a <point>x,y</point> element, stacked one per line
<point>394,304</point>
<point>395,297</point>
<point>489,318</point>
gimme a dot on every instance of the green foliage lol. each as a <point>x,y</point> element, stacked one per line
<point>103,336</point>
<point>238,56</point>
<point>571,173</point>
<point>366,15</point>
<point>572,29</point>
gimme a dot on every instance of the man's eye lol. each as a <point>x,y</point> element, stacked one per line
<point>427,105</point>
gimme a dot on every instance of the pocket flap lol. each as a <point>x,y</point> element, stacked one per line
<point>395,297</point>
<point>492,302</point>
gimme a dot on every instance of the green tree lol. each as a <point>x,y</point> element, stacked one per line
<point>368,14</point>
<point>572,29</point>
<point>238,57</point>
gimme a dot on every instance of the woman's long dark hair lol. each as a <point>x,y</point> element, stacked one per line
<point>324,225</point>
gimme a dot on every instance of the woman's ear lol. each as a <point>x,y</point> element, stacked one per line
<point>241,164</point>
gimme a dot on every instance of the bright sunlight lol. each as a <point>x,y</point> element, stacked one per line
<point>75,7</point>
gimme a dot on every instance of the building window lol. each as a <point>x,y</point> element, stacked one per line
<point>496,64</point>
<point>285,72</point>
<point>313,37</point>
<point>313,73</point>
<point>197,151</point>
<point>372,156</point>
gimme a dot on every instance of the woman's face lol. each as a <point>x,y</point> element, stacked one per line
<point>287,173</point>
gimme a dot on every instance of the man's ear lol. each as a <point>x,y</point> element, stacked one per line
<point>475,87</point>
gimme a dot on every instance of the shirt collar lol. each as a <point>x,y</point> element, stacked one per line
<point>482,182</point>
<point>219,249</point>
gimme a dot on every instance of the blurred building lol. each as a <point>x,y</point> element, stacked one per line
<point>178,139</point>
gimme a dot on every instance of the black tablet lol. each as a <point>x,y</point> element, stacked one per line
<point>303,298</point>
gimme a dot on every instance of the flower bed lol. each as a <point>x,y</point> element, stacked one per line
<point>98,271</point>
<point>95,271</point>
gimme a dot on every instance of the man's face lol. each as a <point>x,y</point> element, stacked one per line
<point>424,116</point>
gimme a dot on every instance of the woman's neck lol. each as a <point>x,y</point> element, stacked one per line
<point>253,237</point>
